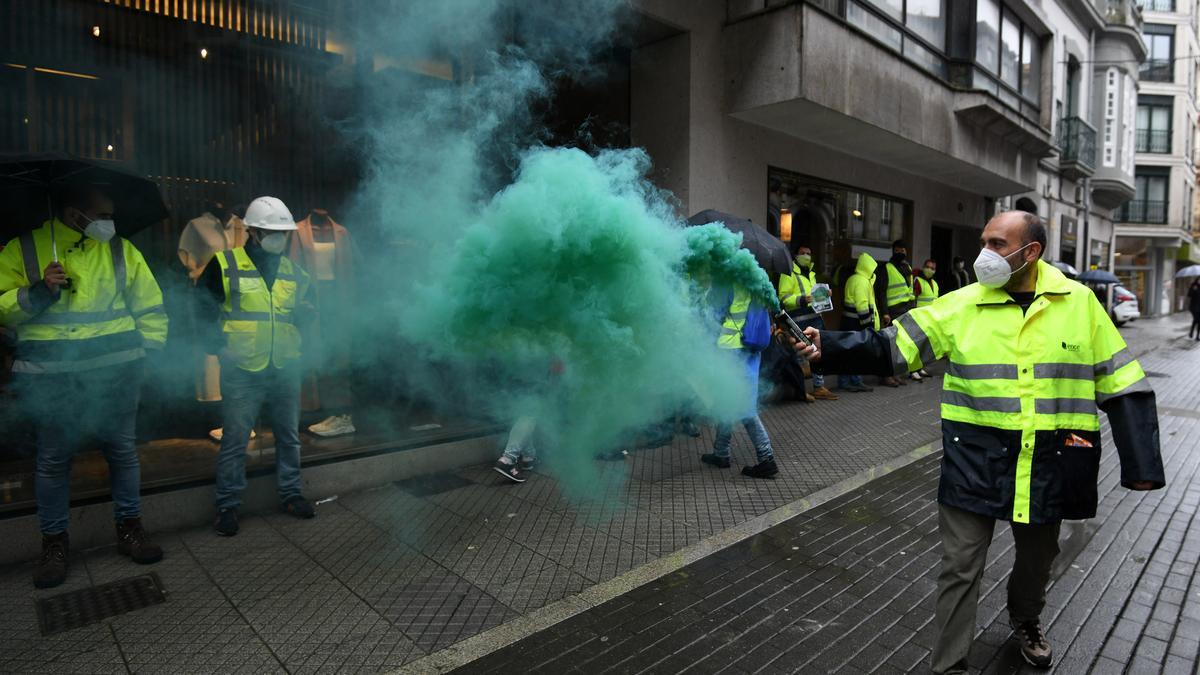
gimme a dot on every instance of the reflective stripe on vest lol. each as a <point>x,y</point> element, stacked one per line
<point>898,290</point>
<point>257,321</point>
<point>735,319</point>
<point>929,291</point>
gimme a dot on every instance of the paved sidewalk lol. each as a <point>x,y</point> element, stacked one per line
<point>849,587</point>
<point>386,577</point>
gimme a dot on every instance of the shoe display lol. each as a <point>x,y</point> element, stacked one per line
<point>766,469</point>
<point>51,569</point>
<point>823,394</point>
<point>509,471</point>
<point>226,523</point>
<point>337,425</point>
<point>714,460</point>
<point>1035,648</point>
<point>219,433</point>
<point>299,507</point>
<point>132,541</point>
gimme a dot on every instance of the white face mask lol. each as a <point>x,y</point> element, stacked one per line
<point>102,230</point>
<point>273,243</point>
<point>993,270</point>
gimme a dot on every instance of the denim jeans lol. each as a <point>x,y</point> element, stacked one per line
<point>520,440</point>
<point>244,394</point>
<point>70,409</point>
<point>758,436</point>
<point>818,380</point>
<point>850,380</point>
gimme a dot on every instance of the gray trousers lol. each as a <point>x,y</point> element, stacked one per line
<point>965,540</point>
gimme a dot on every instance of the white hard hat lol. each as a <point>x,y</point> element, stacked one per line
<point>269,213</point>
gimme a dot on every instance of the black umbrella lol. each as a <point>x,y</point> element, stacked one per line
<point>27,182</point>
<point>771,253</point>
<point>1098,277</point>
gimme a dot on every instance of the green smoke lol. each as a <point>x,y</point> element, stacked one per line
<point>714,253</point>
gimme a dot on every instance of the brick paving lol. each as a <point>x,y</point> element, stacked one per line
<point>384,577</point>
<point>849,587</point>
<point>390,576</point>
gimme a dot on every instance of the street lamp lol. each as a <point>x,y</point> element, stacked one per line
<point>204,52</point>
<point>95,31</point>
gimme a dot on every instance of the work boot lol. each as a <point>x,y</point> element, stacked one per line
<point>1034,647</point>
<point>809,398</point>
<point>715,460</point>
<point>890,382</point>
<point>226,523</point>
<point>51,569</point>
<point>299,507</point>
<point>823,394</point>
<point>132,541</point>
<point>765,469</point>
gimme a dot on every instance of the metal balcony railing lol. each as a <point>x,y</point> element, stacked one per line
<point>1157,70</point>
<point>1143,211</point>
<point>1077,139</point>
<point>1154,140</point>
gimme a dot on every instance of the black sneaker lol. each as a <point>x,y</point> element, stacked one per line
<point>299,507</point>
<point>132,541</point>
<point>1035,648</point>
<point>51,569</point>
<point>226,524</point>
<point>766,469</point>
<point>512,472</point>
<point>714,460</point>
<point>527,463</point>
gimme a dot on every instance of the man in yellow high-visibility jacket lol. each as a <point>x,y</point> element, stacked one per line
<point>260,294</point>
<point>796,297</point>
<point>1032,356</point>
<point>84,320</point>
<point>893,294</point>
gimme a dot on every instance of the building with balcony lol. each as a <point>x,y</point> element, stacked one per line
<point>1097,51</point>
<point>1154,229</point>
<point>858,122</point>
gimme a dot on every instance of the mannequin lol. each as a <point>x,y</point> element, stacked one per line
<point>324,249</point>
<point>217,229</point>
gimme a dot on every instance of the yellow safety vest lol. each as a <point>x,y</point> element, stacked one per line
<point>1019,401</point>
<point>795,286</point>
<point>735,319</point>
<point>259,322</point>
<point>929,290</point>
<point>899,291</point>
<point>112,312</point>
<point>860,309</point>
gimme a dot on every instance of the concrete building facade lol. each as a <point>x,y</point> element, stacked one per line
<point>860,122</point>
<point>1155,228</point>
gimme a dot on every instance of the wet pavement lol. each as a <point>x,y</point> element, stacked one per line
<point>849,587</point>
<point>818,570</point>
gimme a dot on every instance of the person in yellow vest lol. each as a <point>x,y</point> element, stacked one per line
<point>260,294</point>
<point>84,319</point>
<point>925,289</point>
<point>893,294</point>
<point>1033,358</point>
<point>859,311</point>
<point>795,296</point>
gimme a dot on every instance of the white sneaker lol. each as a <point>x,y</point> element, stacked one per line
<point>219,433</point>
<point>915,377</point>
<point>338,425</point>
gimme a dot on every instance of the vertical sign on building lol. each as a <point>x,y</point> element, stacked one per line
<point>1110,117</point>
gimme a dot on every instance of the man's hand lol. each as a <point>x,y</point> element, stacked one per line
<point>1141,485</point>
<point>812,353</point>
<point>885,320</point>
<point>808,299</point>
<point>55,277</point>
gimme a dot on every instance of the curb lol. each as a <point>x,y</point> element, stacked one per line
<point>482,644</point>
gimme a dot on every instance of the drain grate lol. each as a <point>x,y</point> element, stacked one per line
<point>90,605</point>
<point>434,484</point>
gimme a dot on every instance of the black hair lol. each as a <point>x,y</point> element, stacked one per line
<point>73,195</point>
<point>931,260</point>
<point>899,243</point>
<point>1035,230</point>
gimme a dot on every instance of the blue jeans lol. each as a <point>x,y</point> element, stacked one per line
<point>850,380</point>
<point>243,395</point>
<point>818,380</point>
<point>520,440</point>
<point>68,410</point>
<point>758,436</point>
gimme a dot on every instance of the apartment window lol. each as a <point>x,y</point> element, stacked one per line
<point>1007,48</point>
<point>1154,124</point>
<point>1158,5</point>
<point>915,28</point>
<point>1149,205</point>
<point>1160,43</point>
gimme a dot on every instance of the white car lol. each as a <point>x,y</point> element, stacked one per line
<point>1125,306</point>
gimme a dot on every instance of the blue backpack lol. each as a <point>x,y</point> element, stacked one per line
<point>756,331</point>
